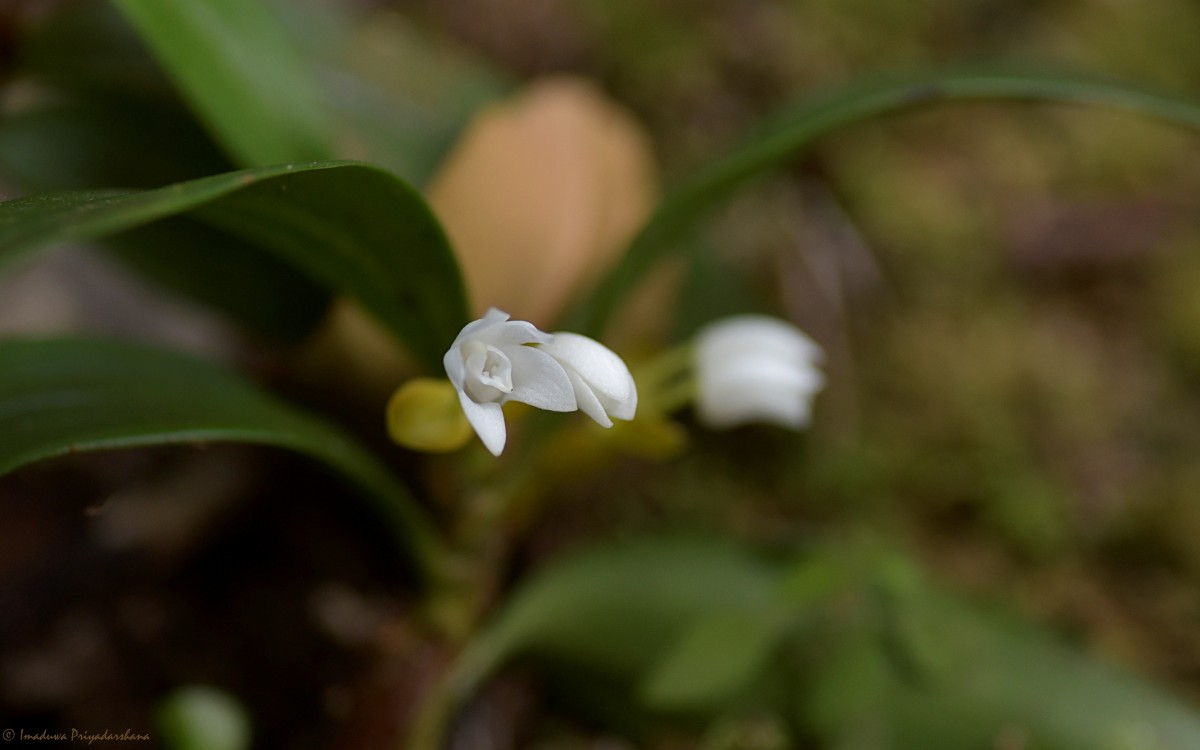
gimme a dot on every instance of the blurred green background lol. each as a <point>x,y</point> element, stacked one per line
<point>1008,294</point>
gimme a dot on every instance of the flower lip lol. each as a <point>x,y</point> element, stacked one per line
<point>489,372</point>
<point>494,328</point>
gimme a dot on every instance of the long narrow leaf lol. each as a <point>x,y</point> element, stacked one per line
<point>238,69</point>
<point>63,395</point>
<point>352,227</point>
<point>783,137</point>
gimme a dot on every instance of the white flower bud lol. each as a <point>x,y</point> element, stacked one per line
<point>754,368</point>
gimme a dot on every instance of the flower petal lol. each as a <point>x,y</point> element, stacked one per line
<point>515,333</point>
<point>753,368</point>
<point>589,403</point>
<point>455,367</point>
<point>475,328</point>
<point>539,380</point>
<point>604,371</point>
<point>453,360</point>
<point>757,389</point>
<point>619,409</point>
<point>749,335</point>
<point>487,421</point>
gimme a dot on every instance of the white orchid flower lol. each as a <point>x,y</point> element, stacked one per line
<point>490,365</point>
<point>495,360</point>
<point>755,368</point>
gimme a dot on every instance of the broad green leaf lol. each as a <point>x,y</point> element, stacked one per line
<point>607,613</point>
<point>615,609</point>
<point>716,657</point>
<point>352,227</point>
<point>844,702</point>
<point>936,673</point>
<point>117,121</point>
<point>253,288</point>
<point>79,143</point>
<point>238,69</point>
<point>1001,678</point>
<point>723,653</point>
<point>785,136</point>
<point>62,395</point>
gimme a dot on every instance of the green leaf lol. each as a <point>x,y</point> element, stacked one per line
<point>251,287</point>
<point>400,95</point>
<point>783,137</point>
<point>723,653</point>
<point>115,107</point>
<point>238,69</point>
<point>72,145</point>
<point>83,142</point>
<point>922,670</point>
<point>998,677</point>
<point>615,609</point>
<point>50,49</point>
<point>114,121</point>
<point>58,396</point>
<point>609,612</point>
<point>350,226</point>
<point>715,658</point>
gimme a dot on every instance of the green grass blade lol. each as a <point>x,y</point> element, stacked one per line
<point>787,134</point>
<point>235,65</point>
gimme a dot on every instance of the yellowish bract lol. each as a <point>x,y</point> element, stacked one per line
<point>424,414</point>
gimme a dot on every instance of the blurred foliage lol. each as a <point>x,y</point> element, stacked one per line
<point>1007,294</point>
<point>198,717</point>
<point>1043,240</point>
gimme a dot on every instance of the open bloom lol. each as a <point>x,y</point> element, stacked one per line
<point>495,360</point>
<point>754,368</point>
